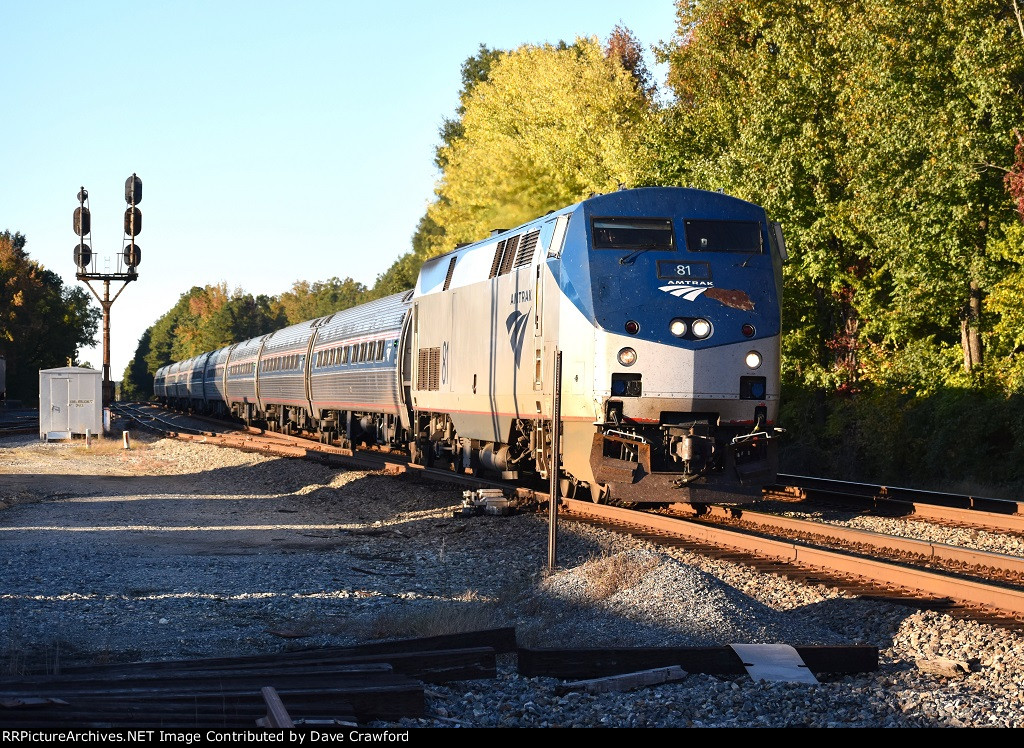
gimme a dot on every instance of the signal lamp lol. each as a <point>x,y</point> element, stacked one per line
<point>632,327</point>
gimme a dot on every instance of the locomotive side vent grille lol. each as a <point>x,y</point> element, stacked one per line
<point>428,371</point>
<point>451,271</point>
<point>526,247</point>
<point>510,252</point>
<point>496,262</point>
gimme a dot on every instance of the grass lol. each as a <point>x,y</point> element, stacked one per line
<point>606,575</point>
<point>450,617</point>
<point>102,445</point>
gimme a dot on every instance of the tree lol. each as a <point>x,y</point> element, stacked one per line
<point>877,133</point>
<point>757,114</point>
<point>43,323</point>
<point>935,93</point>
<point>306,301</point>
<point>625,48</point>
<point>549,126</point>
<point>137,380</point>
<point>476,69</point>
<point>203,319</point>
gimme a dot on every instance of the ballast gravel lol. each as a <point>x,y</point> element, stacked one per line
<point>179,550</point>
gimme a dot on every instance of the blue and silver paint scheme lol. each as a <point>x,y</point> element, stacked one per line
<point>688,430</point>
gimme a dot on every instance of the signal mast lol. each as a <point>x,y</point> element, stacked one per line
<point>127,261</point>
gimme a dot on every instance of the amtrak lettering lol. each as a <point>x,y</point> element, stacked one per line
<point>515,325</point>
<point>688,282</point>
<point>518,296</point>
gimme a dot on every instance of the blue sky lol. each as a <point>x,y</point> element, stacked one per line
<point>275,142</point>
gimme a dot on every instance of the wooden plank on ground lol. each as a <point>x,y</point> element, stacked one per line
<point>202,712</point>
<point>572,664</point>
<point>501,640</point>
<point>626,681</point>
<point>393,698</point>
<point>432,666</point>
<point>277,715</point>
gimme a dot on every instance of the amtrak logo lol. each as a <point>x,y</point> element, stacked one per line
<point>690,293</point>
<point>515,325</point>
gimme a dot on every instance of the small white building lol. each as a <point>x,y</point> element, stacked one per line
<point>70,402</point>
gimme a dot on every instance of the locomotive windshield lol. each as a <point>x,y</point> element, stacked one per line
<point>723,236</point>
<point>634,233</point>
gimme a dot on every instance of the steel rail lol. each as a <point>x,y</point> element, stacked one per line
<point>900,494</point>
<point>924,548</point>
<point>1006,600</point>
<point>255,440</point>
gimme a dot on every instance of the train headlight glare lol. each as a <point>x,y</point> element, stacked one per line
<point>701,328</point>
<point>753,359</point>
<point>627,357</point>
<point>677,327</point>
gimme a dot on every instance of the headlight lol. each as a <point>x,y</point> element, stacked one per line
<point>701,328</point>
<point>627,357</point>
<point>753,359</point>
<point>677,327</point>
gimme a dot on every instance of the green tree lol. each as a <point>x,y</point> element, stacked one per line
<point>475,69</point>
<point>203,319</point>
<point>306,301</point>
<point>877,133</point>
<point>934,94</point>
<point>43,323</point>
<point>757,113</point>
<point>137,380</point>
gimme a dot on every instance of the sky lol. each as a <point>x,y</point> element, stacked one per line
<point>276,142</point>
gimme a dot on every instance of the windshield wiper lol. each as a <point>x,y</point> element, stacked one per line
<point>631,257</point>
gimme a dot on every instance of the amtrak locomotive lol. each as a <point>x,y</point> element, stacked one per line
<point>664,304</point>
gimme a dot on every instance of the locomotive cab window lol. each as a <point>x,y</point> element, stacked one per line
<point>634,233</point>
<point>723,236</point>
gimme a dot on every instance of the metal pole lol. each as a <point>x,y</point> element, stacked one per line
<point>108,384</point>
<point>555,462</point>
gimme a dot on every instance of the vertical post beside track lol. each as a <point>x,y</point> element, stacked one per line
<point>555,462</point>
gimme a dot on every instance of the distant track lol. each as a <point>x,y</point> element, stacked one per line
<point>932,506</point>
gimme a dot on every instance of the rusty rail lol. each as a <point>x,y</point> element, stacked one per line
<point>1003,599</point>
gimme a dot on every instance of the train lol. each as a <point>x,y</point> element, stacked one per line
<point>660,306</point>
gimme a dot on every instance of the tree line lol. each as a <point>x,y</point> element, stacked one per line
<point>209,317</point>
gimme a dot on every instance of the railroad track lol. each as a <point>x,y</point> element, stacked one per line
<point>269,442</point>
<point>1003,515</point>
<point>971,583</point>
<point>794,548</point>
<point>19,423</point>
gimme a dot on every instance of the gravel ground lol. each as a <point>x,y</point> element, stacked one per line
<point>173,550</point>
